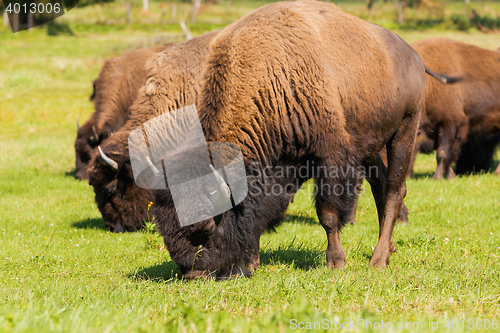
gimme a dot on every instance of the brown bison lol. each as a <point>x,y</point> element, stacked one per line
<point>452,113</point>
<point>298,84</point>
<point>122,203</point>
<point>114,92</point>
<point>482,140</point>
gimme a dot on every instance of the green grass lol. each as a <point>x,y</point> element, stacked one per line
<point>61,271</point>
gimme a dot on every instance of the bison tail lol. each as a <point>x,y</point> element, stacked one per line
<point>442,77</point>
<point>93,91</point>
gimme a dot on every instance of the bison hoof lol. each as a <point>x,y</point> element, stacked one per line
<point>253,265</point>
<point>380,259</point>
<point>336,265</point>
<point>437,176</point>
<point>193,275</point>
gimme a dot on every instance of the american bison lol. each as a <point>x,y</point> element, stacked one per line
<point>122,203</point>
<point>114,92</point>
<point>482,140</point>
<point>298,84</point>
<point>454,113</point>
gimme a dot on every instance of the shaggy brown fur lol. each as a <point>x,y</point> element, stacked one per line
<point>114,92</point>
<point>294,83</point>
<point>174,81</point>
<point>448,109</point>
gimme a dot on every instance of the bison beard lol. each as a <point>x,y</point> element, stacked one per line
<point>122,203</point>
<point>114,92</point>
<point>460,116</point>
<point>291,84</point>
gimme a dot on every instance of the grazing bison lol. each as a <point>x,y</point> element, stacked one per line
<point>454,113</point>
<point>114,92</point>
<point>122,203</point>
<point>482,140</point>
<point>296,84</point>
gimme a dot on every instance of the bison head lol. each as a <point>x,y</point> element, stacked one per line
<point>122,203</point>
<point>88,137</point>
<point>425,142</point>
<point>222,246</point>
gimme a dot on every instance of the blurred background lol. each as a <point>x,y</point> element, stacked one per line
<point>46,72</point>
<point>119,15</point>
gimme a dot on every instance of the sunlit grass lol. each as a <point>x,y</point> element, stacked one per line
<point>61,271</point>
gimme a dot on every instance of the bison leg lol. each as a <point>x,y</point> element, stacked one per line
<point>403,214</point>
<point>389,187</point>
<point>335,255</point>
<point>254,257</point>
<point>352,215</point>
<point>336,200</point>
<point>451,137</point>
<point>388,203</point>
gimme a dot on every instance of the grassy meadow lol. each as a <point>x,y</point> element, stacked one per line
<point>62,271</point>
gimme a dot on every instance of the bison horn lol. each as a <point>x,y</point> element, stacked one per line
<point>223,194</point>
<point>95,138</point>
<point>112,164</point>
<point>154,169</point>
<point>77,124</point>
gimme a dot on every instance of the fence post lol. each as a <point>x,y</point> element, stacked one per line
<point>228,5</point>
<point>5,18</point>
<point>145,5</point>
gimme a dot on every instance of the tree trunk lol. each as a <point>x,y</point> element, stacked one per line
<point>228,5</point>
<point>145,5</point>
<point>399,7</point>
<point>31,21</point>
<point>15,22</point>
<point>370,5</point>
<point>174,10</point>
<point>129,14</point>
<point>196,7</point>
<point>187,33</point>
<point>5,18</point>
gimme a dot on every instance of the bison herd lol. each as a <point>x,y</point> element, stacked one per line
<point>293,85</point>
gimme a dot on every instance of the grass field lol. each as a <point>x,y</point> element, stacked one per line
<point>61,271</point>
